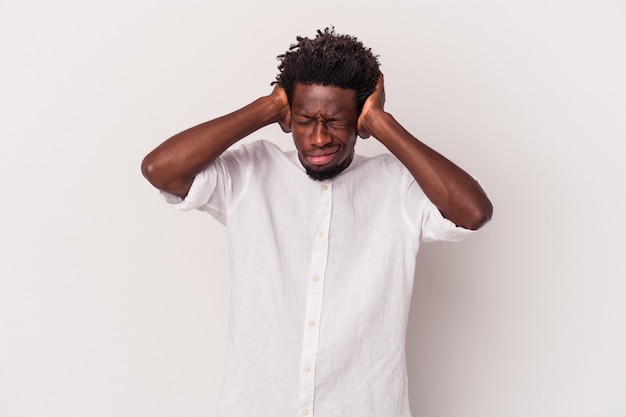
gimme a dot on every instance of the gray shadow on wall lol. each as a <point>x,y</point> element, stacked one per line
<point>443,312</point>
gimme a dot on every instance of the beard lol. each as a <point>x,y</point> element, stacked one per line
<point>325,174</point>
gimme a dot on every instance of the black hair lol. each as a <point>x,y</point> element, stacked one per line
<point>329,59</point>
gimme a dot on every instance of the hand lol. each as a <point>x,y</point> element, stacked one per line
<point>279,98</point>
<point>375,102</point>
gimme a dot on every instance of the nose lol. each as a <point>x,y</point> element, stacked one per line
<point>321,137</point>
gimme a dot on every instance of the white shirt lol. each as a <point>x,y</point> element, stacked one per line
<point>322,281</point>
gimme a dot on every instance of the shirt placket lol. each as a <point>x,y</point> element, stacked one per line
<point>315,295</point>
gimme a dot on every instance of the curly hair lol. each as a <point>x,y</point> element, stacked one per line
<point>330,59</point>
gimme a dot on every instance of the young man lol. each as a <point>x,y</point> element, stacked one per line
<point>323,242</point>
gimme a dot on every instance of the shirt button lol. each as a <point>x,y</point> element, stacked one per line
<point>316,278</point>
<point>324,187</point>
<point>307,369</point>
<point>321,234</point>
<point>305,412</point>
<point>312,323</point>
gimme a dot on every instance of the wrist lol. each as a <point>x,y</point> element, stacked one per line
<point>277,108</point>
<point>278,104</point>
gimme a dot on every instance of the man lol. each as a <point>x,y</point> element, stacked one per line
<point>323,242</point>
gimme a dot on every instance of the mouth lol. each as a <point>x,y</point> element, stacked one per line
<point>321,156</point>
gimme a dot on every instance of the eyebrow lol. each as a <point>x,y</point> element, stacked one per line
<point>331,117</point>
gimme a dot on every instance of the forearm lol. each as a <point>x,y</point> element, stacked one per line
<point>173,164</point>
<point>457,195</point>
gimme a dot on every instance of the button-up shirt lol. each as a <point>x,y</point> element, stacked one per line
<point>322,276</point>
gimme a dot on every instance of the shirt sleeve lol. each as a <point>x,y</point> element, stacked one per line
<point>425,219</point>
<point>216,188</point>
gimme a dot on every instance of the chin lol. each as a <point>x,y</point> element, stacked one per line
<point>325,174</point>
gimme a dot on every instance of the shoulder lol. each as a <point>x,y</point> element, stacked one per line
<point>263,157</point>
<point>382,175</point>
<point>251,153</point>
<point>258,148</point>
<point>385,165</point>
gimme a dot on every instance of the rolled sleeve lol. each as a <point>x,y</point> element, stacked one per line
<point>199,194</point>
<point>216,188</point>
<point>424,218</point>
<point>436,227</point>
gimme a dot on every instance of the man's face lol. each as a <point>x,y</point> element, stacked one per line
<point>323,123</point>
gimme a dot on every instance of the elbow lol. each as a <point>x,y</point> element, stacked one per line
<point>159,175</point>
<point>154,172</point>
<point>150,171</point>
<point>479,215</point>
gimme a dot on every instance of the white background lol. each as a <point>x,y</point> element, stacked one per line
<point>112,304</point>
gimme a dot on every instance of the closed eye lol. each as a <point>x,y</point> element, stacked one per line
<point>337,124</point>
<point>303,121</point>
